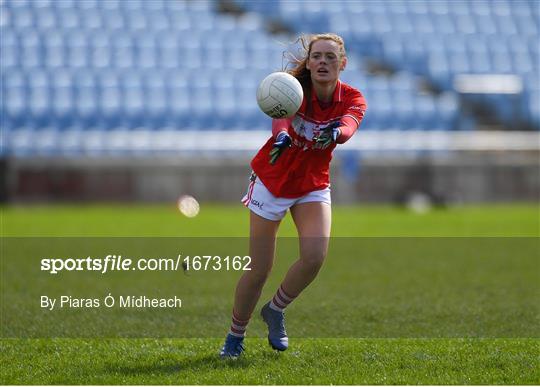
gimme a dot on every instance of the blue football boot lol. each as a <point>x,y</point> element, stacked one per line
<point>277,337</point>
<point>233,347</point>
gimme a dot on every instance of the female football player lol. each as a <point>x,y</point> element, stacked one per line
<point>291,172</point>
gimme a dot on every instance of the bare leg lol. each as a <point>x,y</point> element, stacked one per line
<point>313,222</point>
<point>262,245</point>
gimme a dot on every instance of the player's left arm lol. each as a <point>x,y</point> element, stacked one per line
<point>339,132</point>
<point>352,118</point>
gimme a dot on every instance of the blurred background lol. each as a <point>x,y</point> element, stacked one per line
<point>146,100</point>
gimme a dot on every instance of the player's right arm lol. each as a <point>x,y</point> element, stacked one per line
<point>280,125</point>
<point>280,132</point>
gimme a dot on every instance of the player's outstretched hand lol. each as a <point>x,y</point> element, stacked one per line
<point>283,140</point>
<point>328,135</point>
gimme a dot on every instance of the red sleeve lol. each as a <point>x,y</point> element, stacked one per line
<point>352,118</point>
<point>280,125</point>
<point>348,126</point>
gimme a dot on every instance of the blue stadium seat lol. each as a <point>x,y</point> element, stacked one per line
<point>156,107</point>
<point>506,25</point>
<point>9,56</point>
<point>87,5</point>
<point>404,109</point>
<point>485,24</point>
<point>444,23</point>
<point>68,19</point>
<point>64,4</point>
<point>393,49</point>
<point>426,112</point>
<point>22,19</point>
<point>179,109</point>
<point>112,19</point>
<point>132,5</point>
<point>533,111</point>
<point>62,107</point>
<point>271,7</point>
<point>14,107</point>
<point>86,108</point>
<point>520,63</point>
<point>480,63</point>
<point>39,106</point>
<point>110,105</point>
<point>526,25</point>
<point>74,65</point>
<point>448,110</point>
<point>45,19</point>
<point>92,20</point>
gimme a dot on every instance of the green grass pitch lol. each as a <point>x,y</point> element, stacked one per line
<point>435,350</point>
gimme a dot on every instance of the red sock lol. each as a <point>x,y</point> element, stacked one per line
<point>281,299</point>
<point>238,327</point>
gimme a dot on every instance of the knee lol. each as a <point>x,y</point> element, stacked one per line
<point>313,260</point>
<point>257,278</point>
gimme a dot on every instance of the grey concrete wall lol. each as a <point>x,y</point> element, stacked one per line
<point>463,177</point>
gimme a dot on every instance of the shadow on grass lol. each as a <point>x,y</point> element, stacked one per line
<point>173,365</point>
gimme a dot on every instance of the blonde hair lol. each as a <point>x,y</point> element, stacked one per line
<point>299,70</point>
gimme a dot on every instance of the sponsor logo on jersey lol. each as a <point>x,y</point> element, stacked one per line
<point>307,131</point>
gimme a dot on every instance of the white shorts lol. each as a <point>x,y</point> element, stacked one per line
<point>261,201</point>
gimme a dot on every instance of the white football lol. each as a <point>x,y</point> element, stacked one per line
<point>280,95</point>
<point>188,206</point>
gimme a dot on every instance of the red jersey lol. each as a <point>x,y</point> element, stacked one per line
<point>305,167</point>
